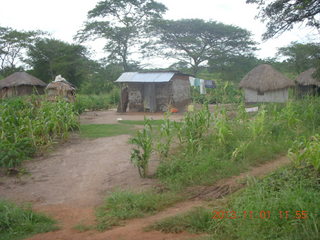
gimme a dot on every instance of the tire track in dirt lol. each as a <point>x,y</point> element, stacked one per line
<point>133,229</point>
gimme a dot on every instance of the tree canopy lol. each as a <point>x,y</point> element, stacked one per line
<point>50,57</point>
<point>195,41</point>
<point>122,24</point>
<point>301,56</point>
<point>282,15</point>
<point>13,43</point>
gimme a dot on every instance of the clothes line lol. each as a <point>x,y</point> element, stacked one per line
<point>203,84</point>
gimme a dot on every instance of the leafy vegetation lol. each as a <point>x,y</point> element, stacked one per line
<point>284,205</point>
<point>19,222</point>
<point>27,125</point>
<point>121,205</point>
<point>96,102</point>
<point>210,146</point>
<point>225,92</point>
<point>141,153</point>
<point>104,130</point>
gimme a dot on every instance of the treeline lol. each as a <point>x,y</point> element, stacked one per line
<point>134,30</point>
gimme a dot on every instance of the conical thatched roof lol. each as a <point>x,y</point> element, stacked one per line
<point>21,78</point>
<point>265,78</point>
<point>306,78</point>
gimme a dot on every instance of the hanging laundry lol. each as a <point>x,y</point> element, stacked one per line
<point>202,87</point>
<point>191,80</point>
<point>197,82</point>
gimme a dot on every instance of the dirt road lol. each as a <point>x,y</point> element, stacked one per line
<point>70,181</point>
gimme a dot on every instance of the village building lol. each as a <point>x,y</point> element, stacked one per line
<point>20,84</point>
<point>265,84</point>
<point>307,84</point>
<point>154,91</point>
<point>61,88</point>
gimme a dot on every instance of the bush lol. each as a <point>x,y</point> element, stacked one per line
<point>97,102</point>
<point>20,222</point>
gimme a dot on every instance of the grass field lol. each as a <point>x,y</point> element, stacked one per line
<point>105,130</point>
<point>19,222</point>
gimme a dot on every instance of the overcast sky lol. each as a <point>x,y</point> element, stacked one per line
<point>62,18</point>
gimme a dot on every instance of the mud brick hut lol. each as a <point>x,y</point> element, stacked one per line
<point>61,88</point>
<point>265,84</point>
<point>307,84</point>
<point>155,91</point>
<point>20,84</point>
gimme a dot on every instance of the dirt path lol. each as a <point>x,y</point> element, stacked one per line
<point>133,229</point>
<point>111,116</point>
<point>70,181</point>
<point>80,172</point>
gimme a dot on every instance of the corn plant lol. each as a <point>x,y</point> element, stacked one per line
<point>258,124</point>
<point>29,124</point>
<point>142,151</point>
<point>222,127</point>
<point>306,152</point>
<point>193,128</point>
<point>166,137</point>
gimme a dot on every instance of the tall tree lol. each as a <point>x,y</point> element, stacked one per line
<point>282,15</point>
<point>301,56</point>
<point>12,45</point>
<point>233,68</point>
<point>51,57</point>
<point>195,41</point>
<point>122,23</point>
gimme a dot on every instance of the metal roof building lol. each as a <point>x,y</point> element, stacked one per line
<point>155,91</point>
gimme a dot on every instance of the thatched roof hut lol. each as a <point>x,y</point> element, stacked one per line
<point>19,84</point>
<point>265,84</point>
<point>61,88</point>
<point>306,78</point>
<point>307,84</point>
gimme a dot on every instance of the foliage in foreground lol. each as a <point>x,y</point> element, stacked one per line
<point>29,124</point>
<point>20,222</point>
<point>290,190</point>
<point>211,146</point>
<point>122,205</point>
<point>141,153</point>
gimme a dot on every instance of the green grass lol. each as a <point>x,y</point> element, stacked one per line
<point>122,205</point>
<point>104,130</point>
<point>141,122</point>
<point>19,222</point>
<point>288,189</point>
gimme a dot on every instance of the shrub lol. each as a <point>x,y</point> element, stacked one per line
<point>19,222</point>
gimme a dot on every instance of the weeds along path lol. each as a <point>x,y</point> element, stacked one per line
<point>133,229</point>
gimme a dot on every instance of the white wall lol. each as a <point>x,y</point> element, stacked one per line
<point>271,96</point>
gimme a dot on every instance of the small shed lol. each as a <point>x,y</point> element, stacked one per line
<point>156,91</point>
<point>307,84</point>
<point>19,84</point>
<point>265,84</point>
<point>60,87</point>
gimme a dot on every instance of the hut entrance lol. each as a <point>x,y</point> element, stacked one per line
<point>149,99</point>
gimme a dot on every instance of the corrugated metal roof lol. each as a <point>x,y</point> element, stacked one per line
<point>145,77</point>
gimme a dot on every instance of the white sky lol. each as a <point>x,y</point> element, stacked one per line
<point>63,18</point>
